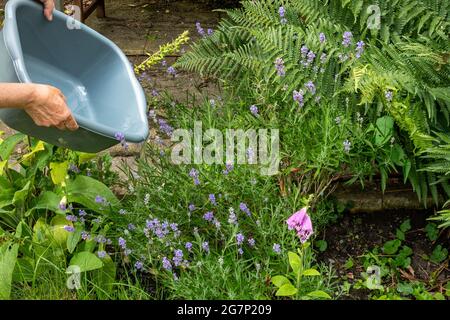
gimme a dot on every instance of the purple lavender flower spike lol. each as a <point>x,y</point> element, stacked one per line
<point>311,87</point>
<point>276,248</point>
<point>69,228</point>
<point>347,38</point>
<point>298,97</point>
<point>254,110</point>
<point>166,264</point>
<point>209,216</point>
<point>322,37</point>
<point>359,49</point>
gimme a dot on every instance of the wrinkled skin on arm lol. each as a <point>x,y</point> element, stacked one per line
<point>46,105</point>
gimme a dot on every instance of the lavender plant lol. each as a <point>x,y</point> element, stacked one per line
<point>299,60</point>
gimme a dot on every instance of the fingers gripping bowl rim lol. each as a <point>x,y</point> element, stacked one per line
<point>92,72</point>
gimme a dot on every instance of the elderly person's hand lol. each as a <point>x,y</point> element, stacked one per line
<point>45,104</point>
<point>49,6</point>
<point>47,107</point>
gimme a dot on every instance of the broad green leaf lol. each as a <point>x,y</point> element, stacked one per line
<point>42,159</point>
<point>8,145</point>
<point>392,246</point>
<point>439,254</point>
<point>21,195</point>
<point>295,262</point>
<point>85,157</point>
<point>397,155</point>
<point>58,232</point>
<point>279,281</point>
<point>385,129</point>
<point>406,288</point>
<point>2,166</point>
<point>406,225</point>
<point>90,245</point>
<point>286,290</point>
<point>4,184</point>
<point>349,263</point>
<point>305,246</point>
<point>6,193</point>
<point>41,231</point>
<point>86,261</point>
<point>73,239</point>
<point>406,170</point>
<point>311,273</point>
<point>39,147</point>
<point>384,177</point>
<point>438,296</point>
<point>8,258</point>
<point>58,171</point>
<point>319,294</point>
<point>49,201</point>
<point>400,234</point>
<point>104,278</point>
<point>23,271</point>
<point>84,190</point>
<point>406,251</point>
<point>432,231</point>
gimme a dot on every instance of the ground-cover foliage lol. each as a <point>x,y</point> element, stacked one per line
<point>394,261</point>
<point>54,226</point>
<point>403,259</point>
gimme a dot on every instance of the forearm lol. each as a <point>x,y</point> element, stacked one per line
<point>15,95</point>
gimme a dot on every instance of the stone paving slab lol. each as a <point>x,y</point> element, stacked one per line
<point>143,25</point>
<point>126,24</point>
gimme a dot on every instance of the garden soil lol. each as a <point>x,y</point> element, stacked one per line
<point>354,235</point>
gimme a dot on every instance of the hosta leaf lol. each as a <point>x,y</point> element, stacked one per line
<point>84,190</point>
<point>73,239</point>
<point>86,261</point>
<point>7,146</point>
<point>58,171</point>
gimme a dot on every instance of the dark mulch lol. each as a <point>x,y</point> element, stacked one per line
<point>355,235</point>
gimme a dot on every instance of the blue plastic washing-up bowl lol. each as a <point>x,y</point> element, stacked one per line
<point>93,73</point>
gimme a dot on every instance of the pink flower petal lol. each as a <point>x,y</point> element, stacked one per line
<point>301,222</point>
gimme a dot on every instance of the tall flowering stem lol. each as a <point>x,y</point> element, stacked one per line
<point>164,50</point>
